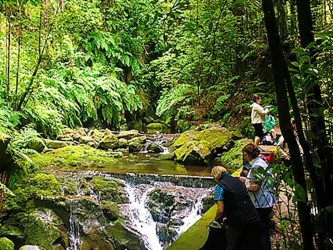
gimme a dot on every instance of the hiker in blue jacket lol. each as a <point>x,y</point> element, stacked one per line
<point>236,211</point>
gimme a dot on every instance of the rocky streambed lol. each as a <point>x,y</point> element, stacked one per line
<point>93,210</point>
<point>104,190</point>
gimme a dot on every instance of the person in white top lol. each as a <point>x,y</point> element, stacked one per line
<point>258,118</point>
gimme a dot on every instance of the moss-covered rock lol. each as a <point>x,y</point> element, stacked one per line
<point>55,144</point>
<point>109,141</point>
<point>217,137</point>
<point>124,238</point>
<point>168,156</point>
<point>194,152</point>
<point>110,210</point>
<point>84,156</point>
<point>201,147</point>
<point>185,138</point>
<point>108,189</point>
<point>137,144</point>
<point>6,244</point>
<point>31,187</point>
<point>42,228</point>
<point>130,134</point>
<point>233,159</point>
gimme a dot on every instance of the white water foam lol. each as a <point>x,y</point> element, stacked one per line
<point>141,218</point>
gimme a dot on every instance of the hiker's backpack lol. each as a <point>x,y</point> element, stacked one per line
<point>269,123</point>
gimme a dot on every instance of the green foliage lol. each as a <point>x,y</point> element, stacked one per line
<point>20,148</point>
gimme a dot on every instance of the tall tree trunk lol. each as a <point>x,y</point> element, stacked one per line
<point>284,117</point>
<point>320,143</point>
<point>8,43</point>
<point>17,71</point>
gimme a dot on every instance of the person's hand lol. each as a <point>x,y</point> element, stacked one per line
<point>242,179</point>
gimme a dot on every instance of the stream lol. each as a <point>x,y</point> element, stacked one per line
<point>141,176</point>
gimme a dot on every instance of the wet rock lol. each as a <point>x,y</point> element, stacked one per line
<point>155,148</point>
<point>55,144</point>
<point>29,247</point>
<point>130,134</point>
<point>109,141</point>
<point>137,144</point>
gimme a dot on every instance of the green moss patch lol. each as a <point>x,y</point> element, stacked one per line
<point>31,187</point>
<point>233,159</point>
<point>217,137</point>
<point>6,244</point>
<point>81,156</point>
<point>196,236</point>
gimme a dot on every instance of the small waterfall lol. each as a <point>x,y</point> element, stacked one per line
<point>74,234</point>
<point>140,217</point>
<point>192,217</point>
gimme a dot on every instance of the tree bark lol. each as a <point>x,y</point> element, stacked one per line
<point>315,106</point>
<point>284,117</point>
<point>8,33</point>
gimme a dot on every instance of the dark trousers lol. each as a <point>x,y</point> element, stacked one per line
<point>246,237</point>
<point>264,214</point>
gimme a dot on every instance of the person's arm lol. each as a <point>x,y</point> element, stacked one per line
<point>252,187</point>
<point>219,210</point>
<point>261,110</point>
<point>280,148</point>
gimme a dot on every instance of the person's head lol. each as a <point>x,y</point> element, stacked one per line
<point>217,172</point>
<point>256,98</point>
<point>250,152</point>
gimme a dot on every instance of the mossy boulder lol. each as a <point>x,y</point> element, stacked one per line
<point>108,189</point>
<point>124,238</point>
<point>42,228</point>
<point>155,126</point>
<point>55,144</point>
<point>122,143</point>
<point>184,138</point>
<point>155,148</point>
<point>109,141</point>
<point>110,210</point>
<point>233,159</point>
<point>81,156</point>
<point>130,134</point>
<point>6,244</point>
<point>31,187</point>
<point>201,147</point>
<point>137,144</point>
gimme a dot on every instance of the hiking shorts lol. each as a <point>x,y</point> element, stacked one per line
<point>258,131</point>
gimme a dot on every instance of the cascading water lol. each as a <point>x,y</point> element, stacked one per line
<point>192,217</point>
<point>140,217</point>
<point>74,233</point>
<point>141,220</point>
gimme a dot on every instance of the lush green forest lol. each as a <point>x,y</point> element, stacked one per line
<point>124,64</point>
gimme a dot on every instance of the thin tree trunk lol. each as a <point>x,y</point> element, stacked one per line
<point>17,70</point>
<point>8,43</point>
<point>284,117</point>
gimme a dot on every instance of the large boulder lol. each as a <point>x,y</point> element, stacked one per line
<point>201,147</point>
<point>130,134</point>
<point>109,141</point>
<point>137,144</point>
